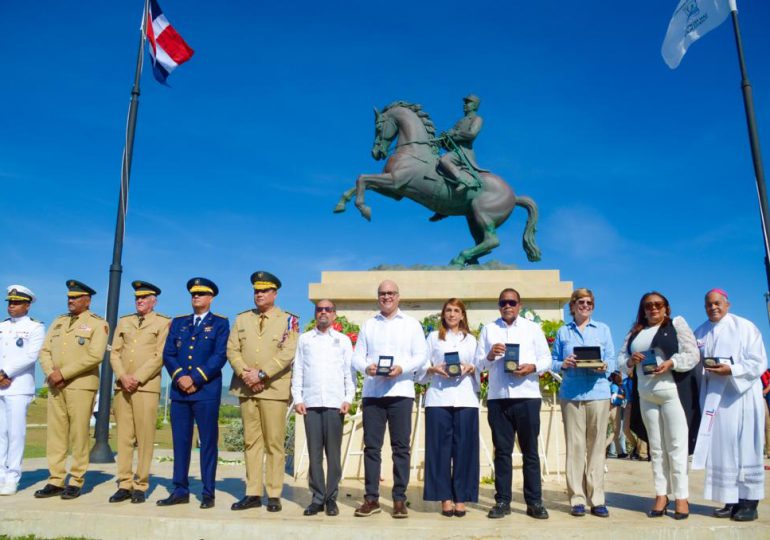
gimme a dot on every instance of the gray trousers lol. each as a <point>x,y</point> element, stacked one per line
<point>323,429</point>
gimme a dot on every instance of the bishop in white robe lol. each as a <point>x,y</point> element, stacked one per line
<point>731,435</point>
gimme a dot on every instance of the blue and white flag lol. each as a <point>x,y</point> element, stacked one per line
<point>692,20</point>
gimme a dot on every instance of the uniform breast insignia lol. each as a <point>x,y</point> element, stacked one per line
<point>85,328</point>
<point>178,343</point>
<point>208,328</point>
<point>81,341</point>
<point>20,342</point>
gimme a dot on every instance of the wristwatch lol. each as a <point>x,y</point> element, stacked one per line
<point>262,375</point>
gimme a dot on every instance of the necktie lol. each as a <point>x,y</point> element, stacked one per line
<point>261,322</point>
<point>73,318</point>
<point>141,320</point>
<point>196,322</point>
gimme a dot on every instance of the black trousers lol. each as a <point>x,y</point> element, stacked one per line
<point>323,429</point>
<point>451,454</point>
<point>396,412</point>
<point>508,418</point>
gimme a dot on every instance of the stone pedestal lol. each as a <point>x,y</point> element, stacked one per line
<point>423,292</point>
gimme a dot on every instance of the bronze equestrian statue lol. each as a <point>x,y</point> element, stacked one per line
<point>450,185</point>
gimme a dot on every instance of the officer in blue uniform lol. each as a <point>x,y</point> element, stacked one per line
<point>195,351</point>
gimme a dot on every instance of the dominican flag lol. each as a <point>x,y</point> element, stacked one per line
<point>166,46</point>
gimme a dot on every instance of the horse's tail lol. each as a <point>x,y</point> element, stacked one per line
<point>528,239</point>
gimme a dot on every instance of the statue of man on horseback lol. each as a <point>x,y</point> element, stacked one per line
<point>449,185</point>
<point>459,163</point>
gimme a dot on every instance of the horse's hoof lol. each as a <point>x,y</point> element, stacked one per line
<point>339,208</point>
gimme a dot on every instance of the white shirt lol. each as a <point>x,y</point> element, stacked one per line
<point>402,338</point>
<point>533,349</point>
<point>451,391</point>
<point>322,374</point>
<point>20,342</point>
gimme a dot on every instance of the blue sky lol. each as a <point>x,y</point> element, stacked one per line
<point>643,175</point>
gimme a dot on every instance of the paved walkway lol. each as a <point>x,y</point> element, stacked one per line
<point>629,485</point>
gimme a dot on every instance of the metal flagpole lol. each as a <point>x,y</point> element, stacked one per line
<point>101,452</point>
<point>756,152</point>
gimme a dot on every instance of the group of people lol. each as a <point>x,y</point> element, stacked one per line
<point>696,394</point>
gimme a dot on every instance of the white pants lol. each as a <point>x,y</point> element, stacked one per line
<point>667,432</point>
<point>13,430</point>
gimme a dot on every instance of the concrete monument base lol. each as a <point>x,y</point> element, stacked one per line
<point>423,292</point>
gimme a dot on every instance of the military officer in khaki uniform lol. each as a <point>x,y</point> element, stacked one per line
<point>72,351</point>
<point>137,359</point>
<point>261,349</point>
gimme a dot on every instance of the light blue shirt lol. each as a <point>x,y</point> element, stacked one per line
<point>582,384</point>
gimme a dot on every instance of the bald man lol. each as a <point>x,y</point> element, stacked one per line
<point>731,434</point>
<point>390,348</point>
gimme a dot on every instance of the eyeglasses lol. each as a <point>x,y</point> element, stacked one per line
<point>324,309</point>
<point>584,302</point>
<point>200,294</point>
<point>653,305</point>
<point>387,293</point>
<point>508,303</point>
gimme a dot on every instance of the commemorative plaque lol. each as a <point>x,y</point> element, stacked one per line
<point>650,362</point>
<point>714,361</point>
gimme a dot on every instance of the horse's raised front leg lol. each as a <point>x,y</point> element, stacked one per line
<point>384,180</point>
<point>344,200</point>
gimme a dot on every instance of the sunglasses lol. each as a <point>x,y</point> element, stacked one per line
<point>200,294</point>
<point>508,303</point>
<point>324,309</point>
<point>654,305</point>
<point>584,303</point>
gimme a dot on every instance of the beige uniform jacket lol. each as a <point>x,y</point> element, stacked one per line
<point>271,350</point>
<point>76,347</point>
<point>138,349</point>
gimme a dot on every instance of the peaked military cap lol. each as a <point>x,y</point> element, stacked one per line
<point>144,288</point>
<point>77,288</point>
<point>19,293</point>
<point>202,285</point>
<point>472,97</point>
<point>262,280</point>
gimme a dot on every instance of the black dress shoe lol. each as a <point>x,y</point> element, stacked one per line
<point>726,511</point>
<point>331,508</point>
<point>174,499</point>
<point>120,495</point>
<point>313,509</point>
<point>746,510</point>
<point>273,504</point>
<point>681,515</point>
<point>207,502</point>
<point>249,501</point>
<point>459,513</point>
<point>70,492</point>
<point>499,510</point>
<point>652,513</point>
<point>138,497</point>
<point>48,491</point>
<point>537,511</point>
<point>448,513</point>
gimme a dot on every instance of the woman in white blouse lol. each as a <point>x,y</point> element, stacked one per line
<point>663,351</point>
<point>452,414</point>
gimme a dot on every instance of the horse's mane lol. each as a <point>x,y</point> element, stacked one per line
<point>424,117</point>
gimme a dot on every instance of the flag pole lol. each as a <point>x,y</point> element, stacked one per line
<point>101,452</point>
<point>756,152</point>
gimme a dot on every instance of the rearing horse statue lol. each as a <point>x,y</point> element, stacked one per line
<point>411,172</point>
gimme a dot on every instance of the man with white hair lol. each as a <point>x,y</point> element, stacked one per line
<point>731,434</point>
<point>20,341</point>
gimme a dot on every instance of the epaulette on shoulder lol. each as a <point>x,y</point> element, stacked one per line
<point>181,316</point>
<point>244,312</point>
<point>162,316</point>
<point>95,316</point>
<point>220,316</point>
<point>127,316</point>
<point>33,320</point>
<point>63,315</point>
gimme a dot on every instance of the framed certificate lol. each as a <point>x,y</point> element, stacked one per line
<point>452,361</point>
<point>714,361</point>
<point>650,362</point>
<point>384,364</point>
<point>588,357</point>
<point>511,357</point>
